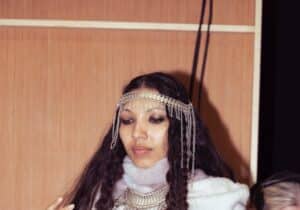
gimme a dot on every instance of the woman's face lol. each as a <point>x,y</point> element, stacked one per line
<point>144,130</point>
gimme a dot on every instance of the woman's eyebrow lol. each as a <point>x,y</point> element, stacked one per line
<point>126,110</point>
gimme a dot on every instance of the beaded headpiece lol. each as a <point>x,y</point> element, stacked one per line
<point>176,109</point>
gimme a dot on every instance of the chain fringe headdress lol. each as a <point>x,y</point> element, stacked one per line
<point>181,111</point>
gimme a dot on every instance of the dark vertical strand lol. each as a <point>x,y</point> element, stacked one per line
<point>202,72</point>
<point>196,50</point>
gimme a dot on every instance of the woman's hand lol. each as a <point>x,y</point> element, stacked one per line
<point>56,205</point>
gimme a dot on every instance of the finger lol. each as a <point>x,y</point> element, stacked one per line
<point>69,207</point>
<point>56,204</point>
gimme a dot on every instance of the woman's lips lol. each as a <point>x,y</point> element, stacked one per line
<point>141,150</point>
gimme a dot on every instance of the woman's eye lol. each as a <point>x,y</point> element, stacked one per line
<point>157,120</point>
<point>126,121</point>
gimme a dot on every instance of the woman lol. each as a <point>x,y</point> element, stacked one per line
<point>156,155</point>
<point>279,192</point>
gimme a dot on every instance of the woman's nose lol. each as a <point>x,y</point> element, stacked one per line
<point>139,131</point>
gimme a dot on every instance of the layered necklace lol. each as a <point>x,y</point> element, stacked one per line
<point>140,188</point>
<point>133,200</point>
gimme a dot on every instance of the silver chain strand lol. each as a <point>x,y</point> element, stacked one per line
<point>115,128</point>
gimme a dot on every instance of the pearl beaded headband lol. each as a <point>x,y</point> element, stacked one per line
<point>176,108</point>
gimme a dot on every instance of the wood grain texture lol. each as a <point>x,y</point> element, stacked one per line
<point>59,88</point>
<point>232,12</point>
<point>227,99</point>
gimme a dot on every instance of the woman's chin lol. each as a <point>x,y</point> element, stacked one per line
<point>144,163</point>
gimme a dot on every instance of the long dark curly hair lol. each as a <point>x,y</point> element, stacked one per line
<point>105,167</point>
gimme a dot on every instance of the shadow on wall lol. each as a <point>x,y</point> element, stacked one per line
<point>218,132</point>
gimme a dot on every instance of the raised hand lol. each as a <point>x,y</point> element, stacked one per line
<point>57,205</point>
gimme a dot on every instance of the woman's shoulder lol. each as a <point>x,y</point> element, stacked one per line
<point>214,186</point>
<point>217,193</point>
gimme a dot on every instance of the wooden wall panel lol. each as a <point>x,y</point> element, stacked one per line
<point>227,102</point>
<point>234,12</point>
<point>59,87</point>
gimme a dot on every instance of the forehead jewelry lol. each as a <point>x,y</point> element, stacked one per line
<point>176,109</point>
